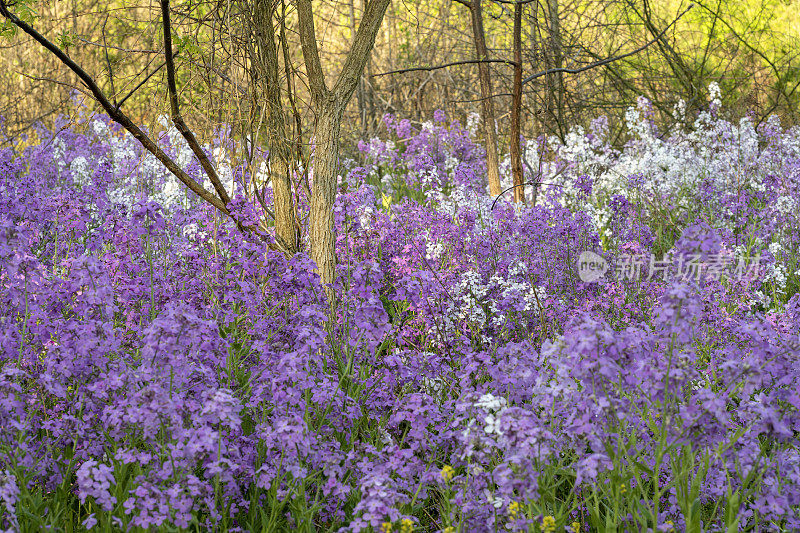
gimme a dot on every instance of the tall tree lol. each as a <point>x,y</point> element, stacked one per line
<point>554,59</point>
<point>329,105</point>
<point>266,88</point>
<point>487,98</point>
<point>516,109</point>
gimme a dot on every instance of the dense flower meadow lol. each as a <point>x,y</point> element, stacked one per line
<point>160,370</point>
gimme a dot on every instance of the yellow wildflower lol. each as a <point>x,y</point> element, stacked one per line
<point>449,529</point>
<point>406,525</point>
<point>548,524</point>
<point>513,510</point>
<point>447,473</point>
<point>576,527</point>
<point>386,527</point>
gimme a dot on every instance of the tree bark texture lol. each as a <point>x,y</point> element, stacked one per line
<point>516,109</point>
<point>329,106</point>
<point>268,84</point>
<point>326,163</point>
<point>555,81</point>
<point>487,107</point>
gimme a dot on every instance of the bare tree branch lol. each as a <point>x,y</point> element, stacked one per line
<point>111,46</point>
<point>177,119</point>
<point>481,99</point>
<point>453,64</point>
<point>359,52</point>
<point>108,65</point>
<point>607,60</point>
<point>119,104</point>
<point>308,43</point>
<point>115,114</point>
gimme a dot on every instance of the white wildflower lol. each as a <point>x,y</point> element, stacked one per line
<point>490,402</point>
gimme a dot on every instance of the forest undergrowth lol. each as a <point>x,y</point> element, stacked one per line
<point>622,356</point>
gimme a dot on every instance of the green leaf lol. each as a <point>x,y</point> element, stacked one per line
<point>643,467</point>
<point>694,523</point>
<point>732,513</point>
<point>65,40</point>
<point>7,29</point>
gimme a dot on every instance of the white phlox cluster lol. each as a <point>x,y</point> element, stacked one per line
<point>679,111</point>
<point>434,250</point>
<point>59,151</point>
<point>494,406</point>
<point>170,194</point>
<point>81,173</point>
<point>522,293</point>
<point>429,181</point>
<point>450,165</point>
<point>434,387</point>
<point>462,199</point>
<point>715,94</point>
<point>786,205</point>
<point>776,272</point>
<point>714,150</point>
<point>366,215</point>
<point>192,232</point>
<point>635,124</point>
<point>468,293</point>
<point>223,167</point>
<point>473,120</point>
<point>263,173</point>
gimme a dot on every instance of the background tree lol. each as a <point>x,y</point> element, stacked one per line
<point>488,116</point>
<point>329,106</point>
<point>227,71</point>
<point>266,104</point>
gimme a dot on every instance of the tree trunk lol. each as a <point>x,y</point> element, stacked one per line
<point>329,106</point>
<point>286,226</point>
<point>362,114</point>
<point>516,110</point>
<point>487,107</point>
<point>326,162</point>
<point>555,82</point>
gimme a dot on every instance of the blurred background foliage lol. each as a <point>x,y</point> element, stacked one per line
<point>750,47</point>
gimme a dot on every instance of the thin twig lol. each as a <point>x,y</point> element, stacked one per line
<point>177,119</point>
<point>57,82</point>
<point>108,64</point>
<point>119,104</point>
<point>115,114</point>
<point>607,60</point>
<point>481,99</point>
<point>104,45</point>
<point>453,64</point>
<point>536,183</point>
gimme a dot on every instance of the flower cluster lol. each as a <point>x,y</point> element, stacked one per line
<point>161,370</point>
